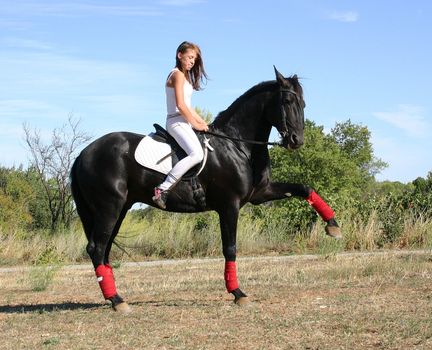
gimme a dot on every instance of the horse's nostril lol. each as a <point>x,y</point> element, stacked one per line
<point>295,140</point>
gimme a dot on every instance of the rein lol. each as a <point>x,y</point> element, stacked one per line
<point>241,140</point>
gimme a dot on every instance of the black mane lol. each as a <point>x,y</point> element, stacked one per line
<point>239,102</point>
<point>265,86</point>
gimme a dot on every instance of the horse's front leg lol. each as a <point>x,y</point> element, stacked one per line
<point>228,217</point>
<point>280,190</point>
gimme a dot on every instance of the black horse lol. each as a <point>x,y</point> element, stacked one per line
<point>106,180</point>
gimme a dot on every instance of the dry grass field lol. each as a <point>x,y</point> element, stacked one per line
<point>344,301</point>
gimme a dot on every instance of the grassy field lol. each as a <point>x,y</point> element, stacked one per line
<point>328,301</point>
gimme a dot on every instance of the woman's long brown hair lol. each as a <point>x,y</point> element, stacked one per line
<point>197,73</point>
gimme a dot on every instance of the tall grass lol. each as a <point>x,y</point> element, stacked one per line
<point>40,247</point>
<point>197,235</point>
<point>153,234</point>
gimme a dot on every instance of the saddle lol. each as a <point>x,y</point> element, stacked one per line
<point>159,151</point>
<point>177,153</point>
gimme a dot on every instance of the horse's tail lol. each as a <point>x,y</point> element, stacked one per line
<point>81,204</point>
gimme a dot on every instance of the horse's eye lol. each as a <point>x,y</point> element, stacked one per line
<point>288,99</point>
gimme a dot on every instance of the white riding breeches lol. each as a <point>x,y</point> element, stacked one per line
<point>183,133</point>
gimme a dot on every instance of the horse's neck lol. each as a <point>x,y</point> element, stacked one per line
<point>248,121</point>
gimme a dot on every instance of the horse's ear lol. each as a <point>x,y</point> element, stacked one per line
<point>279,77</point>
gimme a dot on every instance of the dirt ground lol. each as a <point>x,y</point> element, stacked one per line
<point>380,301</point>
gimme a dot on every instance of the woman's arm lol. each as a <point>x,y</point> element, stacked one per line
<point>178,80</point>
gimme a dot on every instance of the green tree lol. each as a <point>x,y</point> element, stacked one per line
<point>22,200</point>
<point>320,163</point>
<point>340,166</point>
<point>339,162</point>
<point>420,199</point>
<point>16,195</point>
<point>422,185</point>
<point>354,142</point>
<point>385,188</point>
<point>38,207</point>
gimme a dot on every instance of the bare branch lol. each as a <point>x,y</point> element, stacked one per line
<point>52,163</point>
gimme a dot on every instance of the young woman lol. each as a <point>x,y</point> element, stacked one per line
<point>187,76</point>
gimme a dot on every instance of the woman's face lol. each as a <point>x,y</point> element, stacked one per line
<point>187,59</point>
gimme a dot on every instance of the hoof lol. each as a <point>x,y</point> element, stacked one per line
<point>333,231</point>
<point>122,308</point>
<point>240,298</point>
<point>242,301</point>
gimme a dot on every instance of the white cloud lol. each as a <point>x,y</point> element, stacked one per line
<point>20,43</point>
<point>42,88</point>
<point>408,118</point>
<point>181,2</point>
<point>344,16</point>
<point>24,109</point>
<point>76,9</point>
<point>45,72</point>
<point>13,24</point>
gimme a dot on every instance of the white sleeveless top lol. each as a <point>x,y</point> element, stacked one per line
<point>172,110</point>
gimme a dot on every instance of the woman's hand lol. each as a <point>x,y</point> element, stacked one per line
<point>201,127</point>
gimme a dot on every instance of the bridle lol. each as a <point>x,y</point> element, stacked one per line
<point>284,133</point>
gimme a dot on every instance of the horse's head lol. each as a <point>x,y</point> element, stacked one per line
<point>289,118</point>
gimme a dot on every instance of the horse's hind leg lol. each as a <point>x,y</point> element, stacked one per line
<point>106,226</point>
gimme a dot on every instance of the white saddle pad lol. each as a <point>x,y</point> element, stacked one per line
<point>154,155</point>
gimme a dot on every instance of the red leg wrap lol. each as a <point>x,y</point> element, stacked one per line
<point>230,275</point>
<point>105,278</point>
<point>320,206</point>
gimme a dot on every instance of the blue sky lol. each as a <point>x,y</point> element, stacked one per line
<point>106,62</point>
